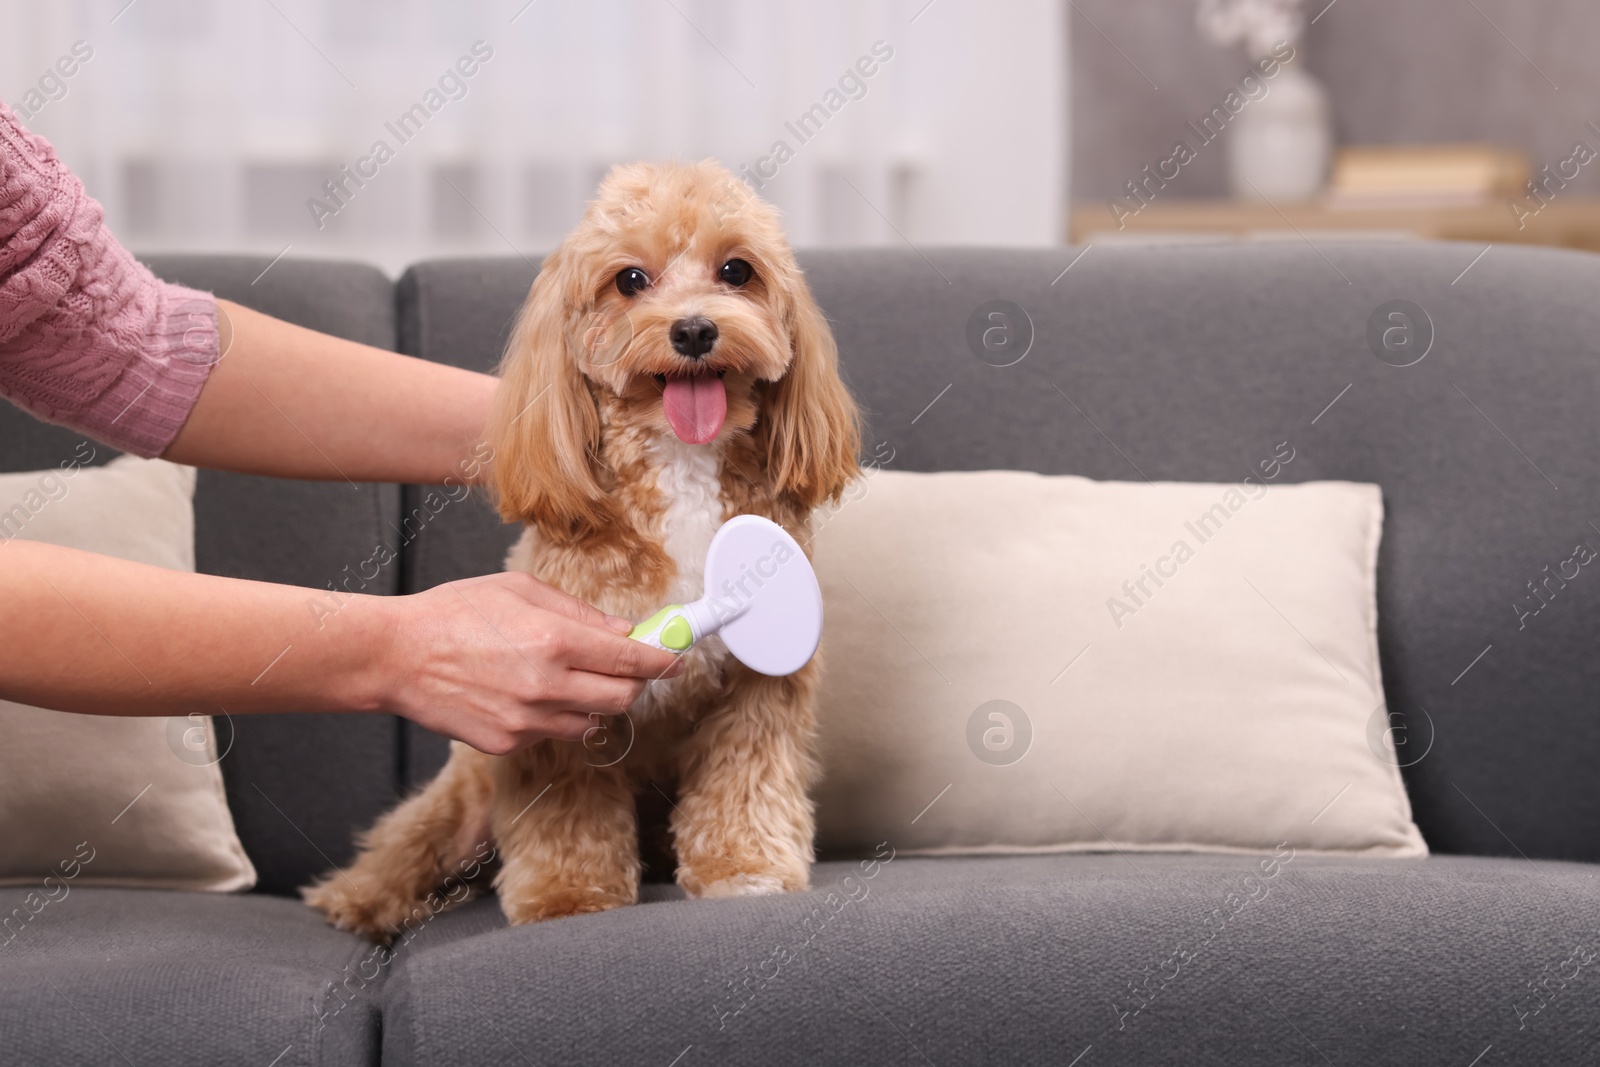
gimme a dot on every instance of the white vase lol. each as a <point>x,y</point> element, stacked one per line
<point>1280,145</point>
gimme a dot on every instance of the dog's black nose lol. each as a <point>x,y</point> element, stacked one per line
<point>693,337</point>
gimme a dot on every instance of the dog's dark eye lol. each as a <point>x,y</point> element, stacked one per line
<point>736,272</point>
<point>632,280</point>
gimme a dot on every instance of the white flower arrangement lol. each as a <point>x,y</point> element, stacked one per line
<point>1256,24</point>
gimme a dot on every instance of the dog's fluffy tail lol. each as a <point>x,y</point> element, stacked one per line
<point>418,859</point>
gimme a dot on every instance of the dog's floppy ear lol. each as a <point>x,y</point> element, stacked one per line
<point>812,427</point>
<point>544,426</point>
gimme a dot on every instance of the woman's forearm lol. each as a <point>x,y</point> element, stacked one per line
<point>148,641</point>
<point>293,403</point>
<point>497,661</point>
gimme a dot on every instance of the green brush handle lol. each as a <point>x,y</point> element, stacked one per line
<point>668,628</point>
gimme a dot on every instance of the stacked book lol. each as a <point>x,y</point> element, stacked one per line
<point>1444,175</point>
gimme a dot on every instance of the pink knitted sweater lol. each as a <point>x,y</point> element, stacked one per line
<point>89,338</point>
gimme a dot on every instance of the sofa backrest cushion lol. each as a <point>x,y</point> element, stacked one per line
<point>1197,362</point>
<point>458,312</point>
<point>301,785</point>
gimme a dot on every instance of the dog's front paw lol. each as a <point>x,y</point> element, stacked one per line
<point>744,885</point>
<point>557,902</point>
<point>374,914</point>
<point>758,883</point>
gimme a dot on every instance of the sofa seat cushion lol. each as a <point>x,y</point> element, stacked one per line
<point>119,976</point>
<point>1130,959</point>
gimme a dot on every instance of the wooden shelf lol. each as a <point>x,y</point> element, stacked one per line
<point>1571,222</point>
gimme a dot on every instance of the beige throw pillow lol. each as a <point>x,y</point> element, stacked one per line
<point>1018,663</point>
<point>103,799</point>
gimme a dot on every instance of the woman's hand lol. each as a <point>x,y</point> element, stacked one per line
<point>504,660</point>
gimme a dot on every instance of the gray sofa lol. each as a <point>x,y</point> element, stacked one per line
<point>1182,362</point>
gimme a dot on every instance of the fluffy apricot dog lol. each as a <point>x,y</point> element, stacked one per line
<point>669,370</point>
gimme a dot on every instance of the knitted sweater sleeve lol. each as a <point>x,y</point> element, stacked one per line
<point>89,338</point>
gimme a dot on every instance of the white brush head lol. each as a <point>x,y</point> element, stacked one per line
<point>761,596</point>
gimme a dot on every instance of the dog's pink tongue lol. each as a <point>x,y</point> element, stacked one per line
<point>695,407</point>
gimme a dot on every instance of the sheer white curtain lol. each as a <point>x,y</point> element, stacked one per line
<point>217,124</point>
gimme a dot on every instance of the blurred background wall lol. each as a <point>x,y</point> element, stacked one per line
<point>210,125</point>
<point>213,125</point>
